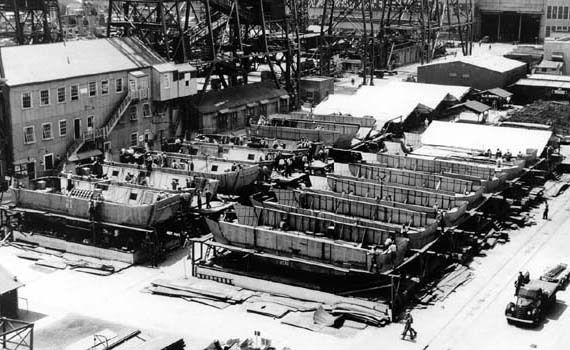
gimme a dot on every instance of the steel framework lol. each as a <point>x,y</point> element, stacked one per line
<point>374,28</point>
<point>223,38</point>
<point>30,21</point>
<point>16,335</point>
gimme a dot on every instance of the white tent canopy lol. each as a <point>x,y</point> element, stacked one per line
<point>478,137</point>
<point>392,100</point>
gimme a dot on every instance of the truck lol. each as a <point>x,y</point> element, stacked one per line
<point>537,296</point>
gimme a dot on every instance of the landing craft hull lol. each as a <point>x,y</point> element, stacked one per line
<point>291,244</point>
<point>143,215</point>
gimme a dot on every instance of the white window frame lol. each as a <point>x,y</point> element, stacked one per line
<point>64,94</point>
<point>59,124</point>
<point>50,131</point>
<point>89,84</point>
<point>48,98</point>
<point>52,161</point>
<point>136,114</point>
<point>33,134</point>
<point>103,93</point>
<point>136,134</point>
<point>22,100</point>
<point>149,110</point>
<point>122,86</point>
<point>71,92</point>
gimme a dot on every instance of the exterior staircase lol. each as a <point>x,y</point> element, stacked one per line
<point>104,131</point>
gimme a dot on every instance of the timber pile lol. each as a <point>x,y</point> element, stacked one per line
<point>438,290</point>
<point>222,296</point>
<point>204,292</point>
<point>543,112</point>
<point>61,260</point>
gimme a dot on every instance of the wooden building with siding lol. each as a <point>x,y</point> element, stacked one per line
<point>233,108</point>
<point>112,93</point>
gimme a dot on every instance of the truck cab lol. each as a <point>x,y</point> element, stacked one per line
<point>533,299</point>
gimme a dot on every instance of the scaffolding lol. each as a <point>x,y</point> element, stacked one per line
<point>16,335</point>
<point>224,39</point>
<point>30,22</point>
<point>374,31</point>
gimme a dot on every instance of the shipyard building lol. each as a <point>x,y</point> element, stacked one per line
<point>85,98</point>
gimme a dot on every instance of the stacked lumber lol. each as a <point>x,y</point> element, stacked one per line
<point>201,291</point>
<point>455,276</point>
<point>276,306</point>
<point>60,260</point>
<point>543,112</point>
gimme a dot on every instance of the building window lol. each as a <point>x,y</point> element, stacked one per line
<point>565,12</point>
<point>46,131</point>
<point>147,135</point>
<point>119,85</point>
<point>134,138</point>
<point>105,87</point>
<point>26,100</point>
<point>74,93</point>
<point>61,94</point>
<point>133,112</point>
<point>62,127</point>
<point>146,110</point>
<point>90,122</point>
<point>560,12</point>
<point>44,97</point>
<point>554,12</point>
<point>234,120</point>
<point>547,31</point>
<point>452,75</point>
<point>549,12</point>
<point>466,76</point>
<point>165,81</point>
<point>187,77</point>
<point>92,88</point>
<point>29,135</point>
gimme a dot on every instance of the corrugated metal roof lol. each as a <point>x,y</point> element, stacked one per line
<point>237,96</point>
<point>493,63</point>
<point>543,83</point>
<point>549,77</point>
<point>8,282</point>
<point>499,92</point>
<point>475,106</point>
<point>28,64</point>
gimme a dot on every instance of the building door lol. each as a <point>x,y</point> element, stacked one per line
<point>48,161</point>
<point>77,128</point>
<point>31,170</point>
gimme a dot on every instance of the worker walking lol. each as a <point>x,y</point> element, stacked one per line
<point>545,212</point>
<point>409,320</point>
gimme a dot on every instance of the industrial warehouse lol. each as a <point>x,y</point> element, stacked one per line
<point>226,174</point>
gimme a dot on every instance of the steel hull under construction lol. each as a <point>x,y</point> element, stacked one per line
<point>122,205</point>
<point>304,251</point>
<point>231,180</point>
